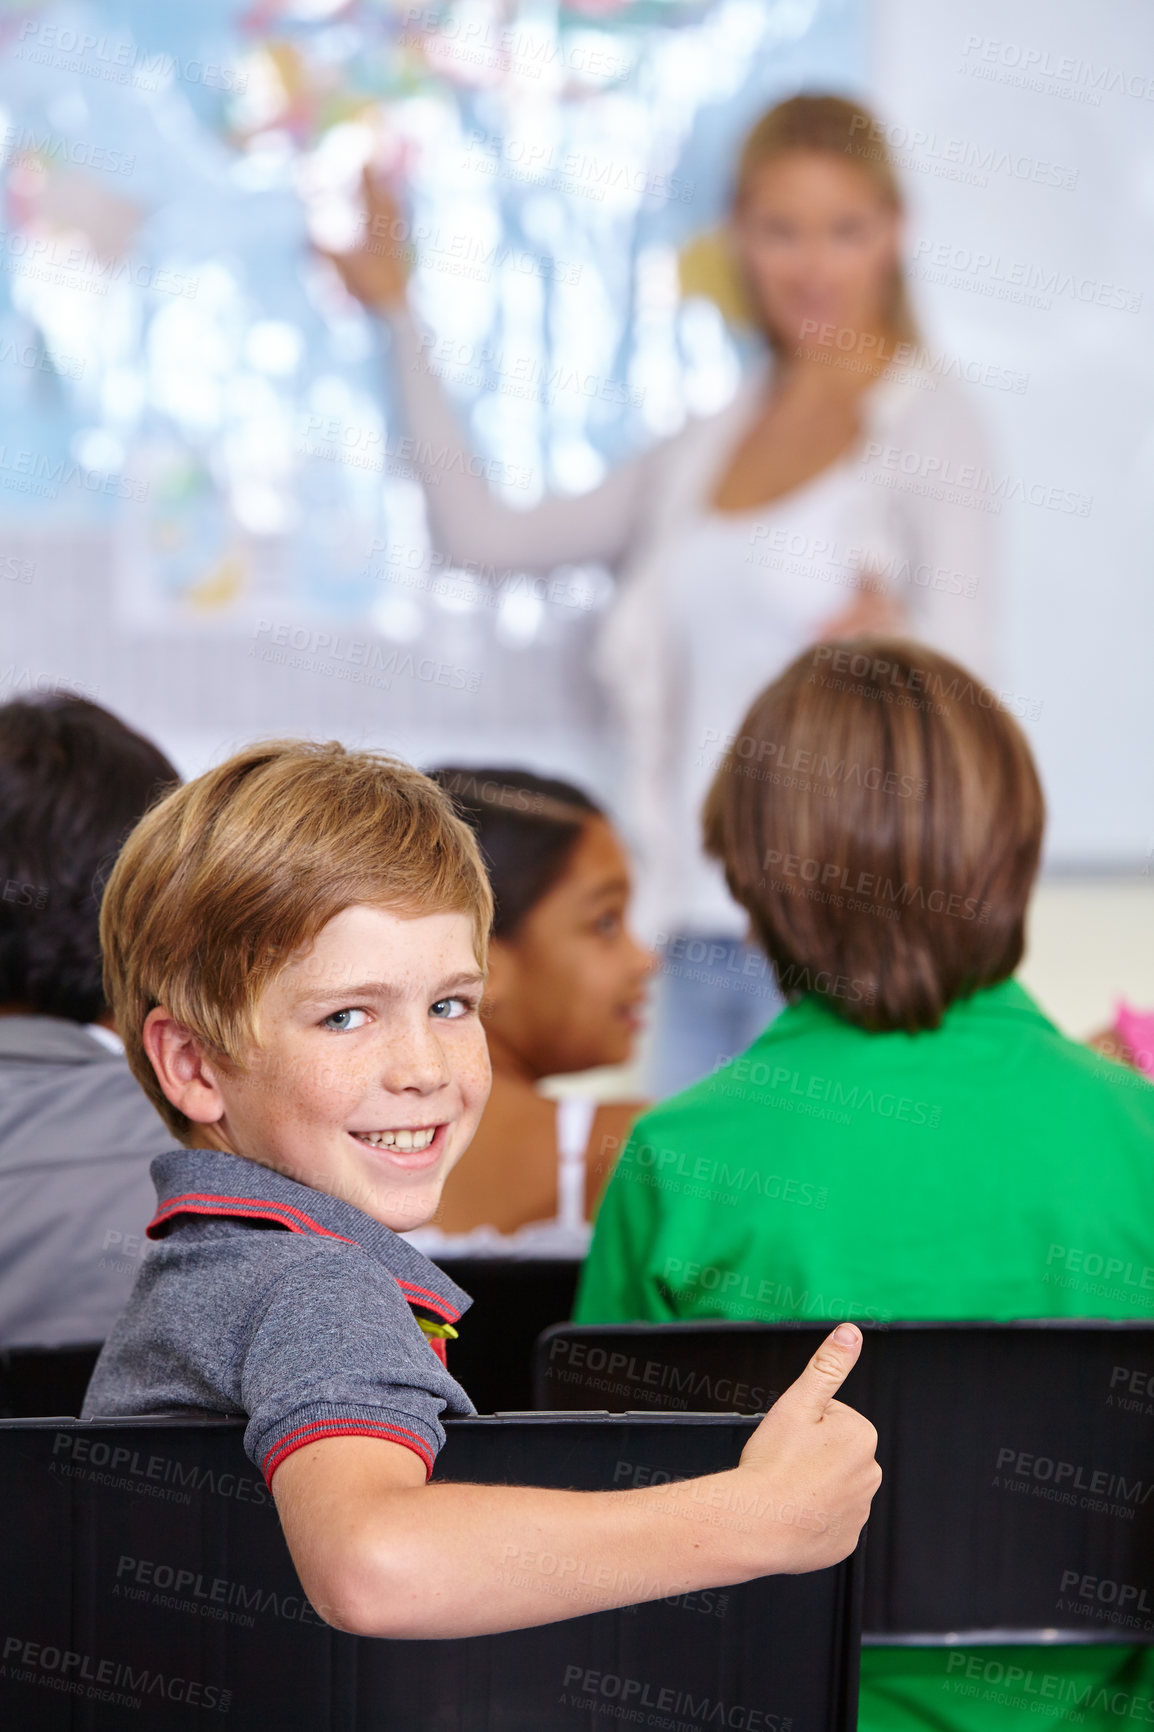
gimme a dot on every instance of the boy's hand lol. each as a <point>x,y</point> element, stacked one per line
<point>810,1465</point>
<point>380,1553</point>
<point>376,269</point>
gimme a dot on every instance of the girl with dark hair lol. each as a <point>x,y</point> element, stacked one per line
<point>566,984</point>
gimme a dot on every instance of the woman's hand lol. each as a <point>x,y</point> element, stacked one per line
<point>376,269</point>
<point>873,612</point>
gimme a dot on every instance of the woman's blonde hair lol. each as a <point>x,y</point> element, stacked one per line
<point>833,126</point>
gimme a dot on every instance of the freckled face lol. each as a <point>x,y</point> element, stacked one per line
<point>371,1068</point>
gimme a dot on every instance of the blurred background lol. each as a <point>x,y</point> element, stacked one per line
<point>207,519</point>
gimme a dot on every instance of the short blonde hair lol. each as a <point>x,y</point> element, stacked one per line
<point>222,882</point>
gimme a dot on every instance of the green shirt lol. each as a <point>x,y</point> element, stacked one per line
<point>990,1168</point>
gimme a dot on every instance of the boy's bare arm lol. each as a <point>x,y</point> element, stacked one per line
<point>380,1553</point>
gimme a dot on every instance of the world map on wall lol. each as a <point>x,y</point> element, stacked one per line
<point>181,363</point>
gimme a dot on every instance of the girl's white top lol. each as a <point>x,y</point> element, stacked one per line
<point>567,1235</point>
<point>711,605</point>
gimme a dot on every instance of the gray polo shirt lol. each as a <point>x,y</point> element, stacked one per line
<point>268,1299</point>
<point>76,1135</point>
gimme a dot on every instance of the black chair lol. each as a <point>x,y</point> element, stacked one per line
<point>147,1583</point>
<point>514,1299</point>
<point>35,1380</point>
<point>1018,1498</point>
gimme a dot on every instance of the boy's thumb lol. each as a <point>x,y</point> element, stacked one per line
<point>826,1372</point>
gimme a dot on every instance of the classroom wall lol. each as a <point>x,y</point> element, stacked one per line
<point>1026,138</point>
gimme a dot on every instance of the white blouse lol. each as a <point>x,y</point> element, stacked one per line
<point>567,1235</point>
<point>711,606</point>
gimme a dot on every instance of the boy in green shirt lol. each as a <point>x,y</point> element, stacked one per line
<point>911,1138</point>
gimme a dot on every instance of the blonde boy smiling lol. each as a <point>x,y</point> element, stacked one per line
<point>294,950</point>
<point>372,1069</point>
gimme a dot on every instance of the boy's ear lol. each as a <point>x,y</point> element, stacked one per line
<point>186,1076</point>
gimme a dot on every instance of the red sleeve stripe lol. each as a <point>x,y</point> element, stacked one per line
<point>320,1428</point>
<point>248,1208</point>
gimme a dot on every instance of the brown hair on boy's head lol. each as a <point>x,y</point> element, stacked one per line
<point>225,880</point>
<point>879,817</point>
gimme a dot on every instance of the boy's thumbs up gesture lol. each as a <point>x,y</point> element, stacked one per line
<point>812,1462</point>
<point>380,1553</point>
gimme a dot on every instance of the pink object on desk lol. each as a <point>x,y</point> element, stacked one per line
<point>1136,1028</point>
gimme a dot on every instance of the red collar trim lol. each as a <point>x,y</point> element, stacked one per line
<point>261,1209</point>
<point>427,1301</point>
<point>247,1208</point>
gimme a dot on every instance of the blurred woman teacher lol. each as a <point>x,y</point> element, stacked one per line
<point>839,493</point>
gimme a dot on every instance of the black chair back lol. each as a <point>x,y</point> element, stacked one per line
<point>514,1299</point>
<point>147,1582</point>
<point>1018,1498</point>
<point>39,1380</point>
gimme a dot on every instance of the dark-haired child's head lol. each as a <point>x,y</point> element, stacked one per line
<point>566,976</point>
<point>879,817</point>
<point>73,782</point>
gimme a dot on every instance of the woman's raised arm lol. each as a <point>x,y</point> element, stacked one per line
<point>469,522</point>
